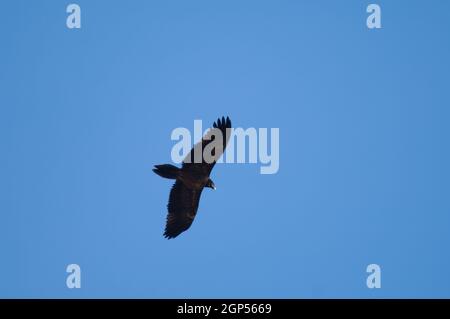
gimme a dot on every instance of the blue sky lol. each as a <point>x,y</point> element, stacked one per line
<point>363,118</point>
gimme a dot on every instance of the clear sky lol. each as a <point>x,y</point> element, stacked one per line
<point>364,148</point>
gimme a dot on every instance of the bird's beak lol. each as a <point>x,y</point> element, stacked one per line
<point>213,186</point>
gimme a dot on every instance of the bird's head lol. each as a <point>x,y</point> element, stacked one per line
<point>210,184</point>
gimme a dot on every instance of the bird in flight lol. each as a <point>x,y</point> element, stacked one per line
<point>192,177</point>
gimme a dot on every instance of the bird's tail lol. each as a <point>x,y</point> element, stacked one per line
<point>167,171</point>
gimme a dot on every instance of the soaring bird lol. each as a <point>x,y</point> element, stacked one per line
<point>192,177</point>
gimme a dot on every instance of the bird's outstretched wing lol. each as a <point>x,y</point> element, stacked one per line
<point>182,207</point>
<point>207,164</point>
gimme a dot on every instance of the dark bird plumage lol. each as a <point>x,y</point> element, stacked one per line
<point>191,178</point>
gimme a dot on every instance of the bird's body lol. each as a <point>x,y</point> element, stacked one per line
<point>191,179</point>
